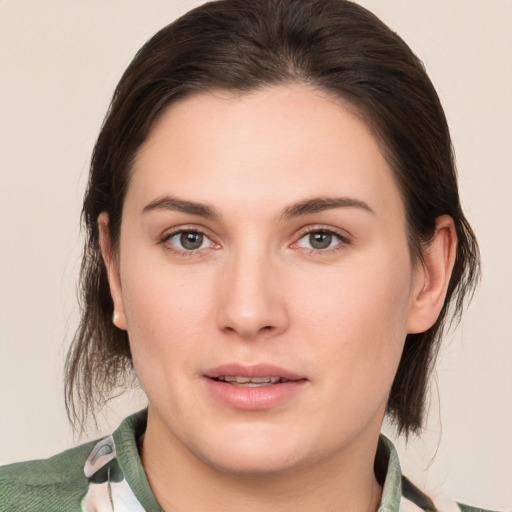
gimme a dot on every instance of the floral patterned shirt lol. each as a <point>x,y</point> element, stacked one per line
<point>107,476</point>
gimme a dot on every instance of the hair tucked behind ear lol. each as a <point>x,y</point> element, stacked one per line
<point>240,45</point>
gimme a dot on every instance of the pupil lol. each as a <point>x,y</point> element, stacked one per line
<point>320,240</point>
<point>191,240</point>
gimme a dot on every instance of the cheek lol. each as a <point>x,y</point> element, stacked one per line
<point>357,328</point>
<point>358,316</point>
<point>167,315</point>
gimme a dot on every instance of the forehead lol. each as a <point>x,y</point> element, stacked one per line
<point>273,145</point>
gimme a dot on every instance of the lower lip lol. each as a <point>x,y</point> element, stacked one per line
<point>254,398</point>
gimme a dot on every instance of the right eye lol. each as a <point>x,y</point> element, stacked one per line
<point>319,240</point>
<point>188,240</point>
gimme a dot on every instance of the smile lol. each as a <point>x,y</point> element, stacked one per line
<point>253,387</point>
<point>251,382</point>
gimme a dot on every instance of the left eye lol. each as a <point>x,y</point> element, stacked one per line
<point>319,240</point>
<point>189,240</point>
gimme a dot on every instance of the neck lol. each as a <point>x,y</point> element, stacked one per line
<point>181,481</point>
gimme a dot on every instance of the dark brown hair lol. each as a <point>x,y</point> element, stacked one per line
<point>239,45</point>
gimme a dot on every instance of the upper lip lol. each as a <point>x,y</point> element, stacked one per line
<point>251,370</point>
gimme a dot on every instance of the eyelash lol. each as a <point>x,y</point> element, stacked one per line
<point>343,241</point>
<point>166,241</point>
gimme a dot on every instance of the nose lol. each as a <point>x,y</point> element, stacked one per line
<point>251,301</point>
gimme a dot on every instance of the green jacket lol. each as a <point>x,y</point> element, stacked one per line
<point>107,475</point>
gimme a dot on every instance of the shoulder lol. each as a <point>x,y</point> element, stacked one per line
<point>82,478</point>
<point>57,483</point>
<point>415,500</point>
<point>467,508</point>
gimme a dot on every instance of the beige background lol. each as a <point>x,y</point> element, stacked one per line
<point>59,62</point>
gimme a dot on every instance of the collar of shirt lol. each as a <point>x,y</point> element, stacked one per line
<point>116,476</point>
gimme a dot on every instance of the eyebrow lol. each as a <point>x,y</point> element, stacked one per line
<point>182,205</point>
<point>320,204</point>
<point>306,207</point>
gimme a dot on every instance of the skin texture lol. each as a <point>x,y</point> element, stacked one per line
<point>257,291</point>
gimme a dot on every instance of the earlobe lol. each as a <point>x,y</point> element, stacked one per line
<point>114,280</point>
<point>433,277</point>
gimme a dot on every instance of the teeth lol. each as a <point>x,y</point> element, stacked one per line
<point>259,380</point>
<point>238,380</point>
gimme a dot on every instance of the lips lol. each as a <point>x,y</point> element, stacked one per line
<point>253,387</point>
<point>252,372</point>
<point>239,380</point>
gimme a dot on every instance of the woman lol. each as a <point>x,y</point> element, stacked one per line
<point>275,240</point>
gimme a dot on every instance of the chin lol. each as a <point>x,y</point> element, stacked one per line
<point>252,455</point>
<point>252,463</point>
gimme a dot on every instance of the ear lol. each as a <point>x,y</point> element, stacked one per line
<point>112,266</point>
<point>433,277</point>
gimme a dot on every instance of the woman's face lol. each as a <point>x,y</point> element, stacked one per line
<point>263,237</point>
